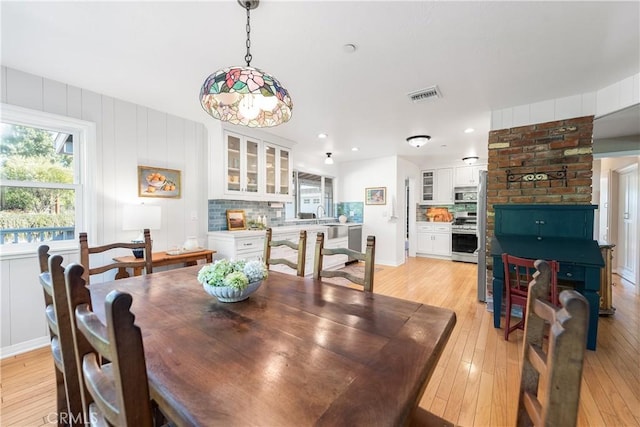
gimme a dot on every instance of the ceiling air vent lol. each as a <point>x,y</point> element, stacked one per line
<point>425,94</point>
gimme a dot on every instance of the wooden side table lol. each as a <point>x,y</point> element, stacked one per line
<point>606,281</point>
<point>163,258</point>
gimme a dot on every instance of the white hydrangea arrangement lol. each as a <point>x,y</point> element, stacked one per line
<point>234,274</point>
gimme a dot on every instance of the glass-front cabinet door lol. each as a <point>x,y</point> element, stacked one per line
<point>252,162</point>
<point>256,169</point>
<point>233,162</point>
<point>278,171</point>
<point>270,164</point>
<point>242,164</point>
<point>427,186</point>
<point>285,172</point>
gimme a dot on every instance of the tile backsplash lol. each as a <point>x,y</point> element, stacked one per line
<point>218,212</point>
<point>421,210</point>
<point>347,208</point>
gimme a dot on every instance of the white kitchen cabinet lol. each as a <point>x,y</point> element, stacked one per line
<point>243,162</point>
<point>249,168</point>
<point>236,245</point>
<point>277,172</point>
<point>334,261</point>
<point>249,245</point>
<point>468,176</point>
<point>433,239</point>
<point>428,185</point>
<point>437,186</point>
<point>285,252</point>
<point>328,262</point>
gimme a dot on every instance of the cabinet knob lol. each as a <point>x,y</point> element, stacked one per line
<point>569,274</point>
<point>539,238</point>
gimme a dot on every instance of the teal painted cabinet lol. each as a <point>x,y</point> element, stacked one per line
<point>554,232</point>
<point>569,221</point>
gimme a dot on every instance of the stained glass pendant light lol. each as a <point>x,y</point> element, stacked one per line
<point>246,95</point>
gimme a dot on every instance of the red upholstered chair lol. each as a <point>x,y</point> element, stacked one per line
<point>518,273</point>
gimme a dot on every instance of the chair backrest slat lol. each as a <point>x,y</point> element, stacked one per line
<point>86,251</point>
<point>368,257</point>
<point>561,365</point>
<point>301,247</point>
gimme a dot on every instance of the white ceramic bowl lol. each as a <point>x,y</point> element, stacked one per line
<point>156,184</point>
<point>227,294</point>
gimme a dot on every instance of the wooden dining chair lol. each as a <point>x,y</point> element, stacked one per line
<point>300,247</point>
<point>368,257</point>
<point>558,371</point>
<point>518,272</point>
<point>68,389</point>
<point>116,392</point>
<point>86,251</point>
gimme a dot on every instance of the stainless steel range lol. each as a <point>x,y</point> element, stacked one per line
<point>464,237</point>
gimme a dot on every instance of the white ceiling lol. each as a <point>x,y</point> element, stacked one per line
<point>482,55</point>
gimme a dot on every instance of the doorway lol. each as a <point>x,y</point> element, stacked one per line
<point>627,217</point>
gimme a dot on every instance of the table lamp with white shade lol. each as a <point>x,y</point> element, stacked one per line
<point>139,217</point>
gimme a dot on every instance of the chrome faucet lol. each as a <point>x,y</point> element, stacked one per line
<point>318,209</point>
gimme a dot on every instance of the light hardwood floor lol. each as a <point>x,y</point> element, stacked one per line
<point>476,380</point>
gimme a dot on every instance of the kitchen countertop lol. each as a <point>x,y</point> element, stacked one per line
<point>283,229</point>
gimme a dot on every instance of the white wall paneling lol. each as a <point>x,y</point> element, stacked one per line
<point>54,97</point>
<point>127,135</point>
<point>5,303</point>
<point>3,85</point>
<point>25,90</point>
<point>617,96</point>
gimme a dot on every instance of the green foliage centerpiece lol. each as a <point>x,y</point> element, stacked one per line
<point>232,281</point>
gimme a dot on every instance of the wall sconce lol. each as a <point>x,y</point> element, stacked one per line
<point>328,160</point>
<point>470,160</point>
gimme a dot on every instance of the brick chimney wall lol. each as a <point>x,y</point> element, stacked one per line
<point>543,148</point>
<point>540,148</point>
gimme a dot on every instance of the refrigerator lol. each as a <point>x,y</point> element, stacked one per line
<point>482,237</point>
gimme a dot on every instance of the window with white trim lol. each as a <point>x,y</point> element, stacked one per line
<point>41,178</point>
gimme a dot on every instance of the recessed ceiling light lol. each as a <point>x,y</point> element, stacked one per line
<point>322,135</point>
<point>349,48</point>
<point>469,130</point>
<point>355,149</point>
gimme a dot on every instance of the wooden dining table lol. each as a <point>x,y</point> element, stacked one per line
<point>297,352</point>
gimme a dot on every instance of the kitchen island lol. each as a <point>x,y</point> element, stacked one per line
<point>249,244</point>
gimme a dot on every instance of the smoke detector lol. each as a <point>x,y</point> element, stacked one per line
<point>425,94</point>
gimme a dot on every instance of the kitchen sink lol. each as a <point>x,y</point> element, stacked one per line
<point>337,231</point>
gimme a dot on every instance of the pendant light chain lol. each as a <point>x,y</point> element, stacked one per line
<point>243,95</point>
<point>248,56</point>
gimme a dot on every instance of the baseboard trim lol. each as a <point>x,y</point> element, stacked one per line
<point>24,347</point>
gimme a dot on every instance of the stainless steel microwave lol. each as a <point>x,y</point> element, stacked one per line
<point>465,194</point>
